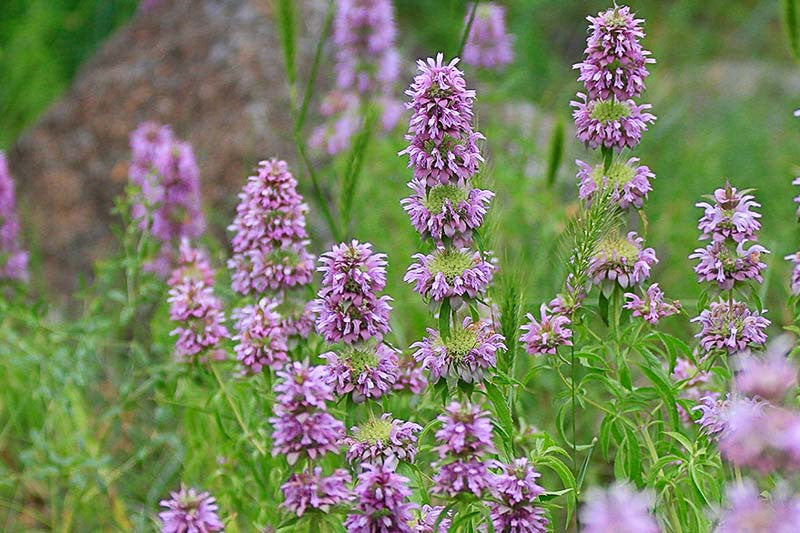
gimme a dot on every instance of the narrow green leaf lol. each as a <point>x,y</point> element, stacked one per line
<point>790,20</point>
<point>556,152</point>
<point>502,411</point>
<point>444,319</point>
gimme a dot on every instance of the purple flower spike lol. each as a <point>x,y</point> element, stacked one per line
<point>622,260</point>
<point>545,336</point>
<point>410,376</point>
<point>447,212</point>
<point>795,260</point>
<point>652,307</point>
<point>610,123</point>
<point>261,342</point>
<point>303,387</point>
<point>381,440</point>
<point>199,316</point>
<point>730,216</point>
<point>13,259</point>
<point>615,64</point>
<point>193,264</point>
<point>731,327</point>
<point>428,516</point>
<point>462,475</point>
<point>466,430</point>
<point>516,490</point>
<point>747,512</point>
<point>449,273</point>
<point>366,371</point>
<point>311,434</point>
<point>628,181</point>
<point>382,497</point>
<point>468,352</point>
<point>488,44</point>
<point>189,511</point>
<point>618,509</point>
<point>311,490</point>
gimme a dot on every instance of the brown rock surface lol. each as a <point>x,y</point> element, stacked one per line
<point>213,69</point>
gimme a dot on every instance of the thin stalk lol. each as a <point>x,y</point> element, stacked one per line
<point>467,28</point>
<point>575,465</point>
<point>236,412</point>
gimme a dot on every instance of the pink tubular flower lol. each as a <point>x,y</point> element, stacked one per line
<point>795,260</point>
<point>199,316</point>
<point>442,145</point>
<point>466,430</point>
<point>410,377</point>
<point>303,387</point>
<point>310,490</point>
<point>449,273</point>
<point>516,491</point>
<point>260,340</point>
<point>622,260</point>
<point>545,336</point>
<point>731,327</point>
<point>447,211</point>
<point>466,354</point>
<point>615,64</point>
<point>721,264</point>
<point>189,511</point>
<point>713,414</point>
<point>488,44</point>
<point>730,216</point>
<point>382,497</point>
<point>628,181</point>
<point>462,475</point>
<point>381,440</point>
<point>747,512</point>
<point>694,382</point>
<point>13,259</point>
<point>610,123</point>
<point>618,509</point>
<point>366,371</point>
<point>340,108</point>
<point>193,264</point>
<point>652,307</point>
<point>305,433</point>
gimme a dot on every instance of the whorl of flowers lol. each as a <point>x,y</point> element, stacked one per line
<point>488,44</point>
<point>615,63</point>
<point>694,385</point>
<point>628,181</point>
<point>713,413</point>
<point>301,425</point>
<point>13,259</point>
<point>365,370</point>
<point>312,490</point>
<point>468,351</point>
<point>651,307</point>
<point>193,305</point>
<point>383,439</point>
<point>442,144</point>
<point>447,212</point>
<point>725,264</point>
<point>364,33</point>
<point>382,496</point>
<point>618,509</point>
<point>730,216</point>
<point>410,376</point>
<point>270,238</point>
<point>544,336</point>
<point>260,339</point>
<point>164,173</point>
<point>462,475</point>
<point>347,306</point>
<point>189,511</point>
<point>466,431</point>
<point>610,123</point>
<point>340,109</point>
<point>622,260</point>
<point>449,273</point>
<point>769,378</point>
<point>747,512</point>
<point>731,326</point>
<point>516,490</point>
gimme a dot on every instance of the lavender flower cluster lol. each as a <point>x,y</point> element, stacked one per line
<point>488,44</point>
<point>166,180</point>
<point>13,259</point>
<point>367,66</point>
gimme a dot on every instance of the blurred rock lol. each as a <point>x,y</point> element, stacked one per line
<point>213,69</point>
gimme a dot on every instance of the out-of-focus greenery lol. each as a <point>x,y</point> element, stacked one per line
<point>42,44</point>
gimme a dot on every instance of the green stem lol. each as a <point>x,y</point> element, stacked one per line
<point>575,465</point>
<point>236,412</point>
<point>467,28</point>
